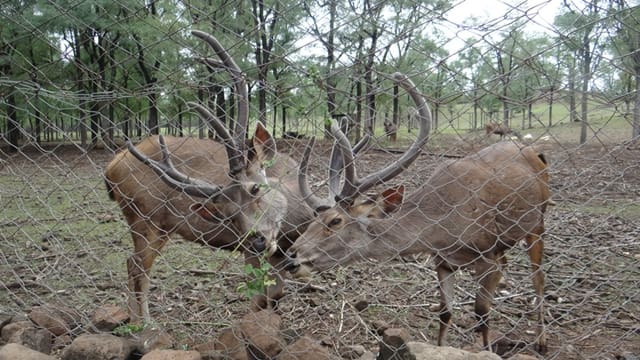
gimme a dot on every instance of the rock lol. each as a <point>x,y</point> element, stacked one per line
<point>151,338</point>
<point>352,352</point>
<point>62,341</point>
<point>57,319</point>
<point>14,351</point>
<point>394,345</point>
<point>98,347</point>
<point>522,357</point>
<point>11,328</point>
<point>230,344</point>
<point>368,355</point>
<point>172,355</point>
<point>35,339</point>
<point>5,319</point>
<point>627,356</point>
<point>305,348</point>
<point>261,330</point>
<point>379,326</point>
<point>424,351</point>
<point>361,305</point>
<point>108,317</point>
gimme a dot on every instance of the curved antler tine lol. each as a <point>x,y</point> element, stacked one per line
<point>242,92</point>
<point>312,200</point>
<point>350,180</point>
<point>392,170</point>
<point>171,176</point>
<point>361,144</point>
<point>336,164</point>
<point>212,63</point>
<point>235,155</point>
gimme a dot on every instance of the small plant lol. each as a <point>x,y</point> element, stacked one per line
<point>128,329</point>
<point>268,163</point>
<point>259,279</point>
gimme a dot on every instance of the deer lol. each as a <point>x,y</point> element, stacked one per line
<point>220,194</point>
<point>500,129</point>
<point>467,214</point>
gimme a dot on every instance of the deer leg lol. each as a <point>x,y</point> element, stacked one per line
<point>445,285</point>
<point>488,276</point>
<point>147,245</point>
<point>536,250</point>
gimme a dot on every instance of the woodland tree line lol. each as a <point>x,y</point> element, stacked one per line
<point>103,68</point>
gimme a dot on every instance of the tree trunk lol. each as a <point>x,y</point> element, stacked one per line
<point>584,106</point>
<point>13,125</point>
<point>636,107</point>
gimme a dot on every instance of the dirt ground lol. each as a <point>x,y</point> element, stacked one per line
<point>592,260</point>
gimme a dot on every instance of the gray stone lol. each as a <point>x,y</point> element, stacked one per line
<point>14,351</point>
<point>152,338</point>
<point>36,339</point>
<point>13,327</point>
<point>424,351</point>
<point>305,348</point>
<point>99,347</point>
<point>172,355</point>
<point>394,345</point>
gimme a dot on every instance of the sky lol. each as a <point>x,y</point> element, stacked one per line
<point>541,12</point>
<point>499,14</point>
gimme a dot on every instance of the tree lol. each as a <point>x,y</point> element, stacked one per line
<point>626,45</point>
<point>585,28</point>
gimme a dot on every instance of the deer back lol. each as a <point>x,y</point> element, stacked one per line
<point>460,212</point>
<point>142,194</point>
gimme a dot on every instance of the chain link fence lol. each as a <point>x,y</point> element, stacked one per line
<point>78,80</point>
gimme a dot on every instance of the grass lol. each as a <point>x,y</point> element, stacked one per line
<point>62,240</point>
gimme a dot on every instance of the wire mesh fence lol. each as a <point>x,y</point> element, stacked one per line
<point>78,80</point>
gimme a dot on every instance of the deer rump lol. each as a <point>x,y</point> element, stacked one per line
<point>467,214</point>
<point>482,204</point>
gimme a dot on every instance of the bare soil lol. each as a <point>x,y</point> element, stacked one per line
<point>74,252</point>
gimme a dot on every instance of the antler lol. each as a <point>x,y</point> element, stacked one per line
<point>311,199</point>
<point>355,186</point>
<point>234,146</point>
<point>242,93</point>
<point>171,176</point>
<point>234,153</point>
<point>336,165</point>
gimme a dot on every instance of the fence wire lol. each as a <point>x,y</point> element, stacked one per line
<point>78,80</point>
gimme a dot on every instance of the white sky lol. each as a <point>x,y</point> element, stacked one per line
<point>541,12</point>
<point>499,14</point>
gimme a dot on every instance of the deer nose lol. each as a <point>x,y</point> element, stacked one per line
<point>259,243</point>
<point>291,263</point>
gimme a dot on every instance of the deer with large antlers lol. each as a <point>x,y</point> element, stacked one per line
<point>214,193</point>
<point>219,194</point>
<point>467,214</point>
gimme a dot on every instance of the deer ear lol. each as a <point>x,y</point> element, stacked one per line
<point>392,198</point>
<point>263,143</point>
<point>210,213</point>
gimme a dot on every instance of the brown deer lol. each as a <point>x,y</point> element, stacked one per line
<point>500,129</point>
<point>467,214</point>
<point>214,193</point>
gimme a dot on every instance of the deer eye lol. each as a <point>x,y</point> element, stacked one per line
<point>335,221</point>
<point>255,189</point>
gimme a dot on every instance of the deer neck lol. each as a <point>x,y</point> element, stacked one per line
<point>401,233</point>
